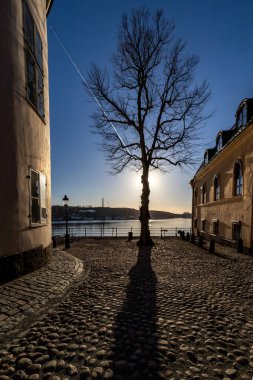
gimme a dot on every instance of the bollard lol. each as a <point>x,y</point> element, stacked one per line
<point>130,236</point>
<point>187,236</point>
<point>67,241</point>
<point>116,231</point>
<point>183,237</point>
<point>212,246</point>
<point>161,232</point>
<point>240,246</point>
<point>201,241</point>
<point>54,242</point>
<point>192,238</point>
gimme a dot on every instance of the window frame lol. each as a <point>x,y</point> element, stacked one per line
<point>206,158</point>
<point>42,201</point>
<point>33,50</point>
<point>195,196</point>
<point>237,177</point>
<point>241,119</point>
<point>219,145</point>
<point>204,193</point>
<point>217,194</point>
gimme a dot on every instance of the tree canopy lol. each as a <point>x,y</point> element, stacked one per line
<point>151,110</point>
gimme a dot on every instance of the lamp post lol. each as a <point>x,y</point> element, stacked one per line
<point>65,202</point>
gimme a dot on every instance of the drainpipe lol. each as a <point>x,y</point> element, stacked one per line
<point>251,229</point>
<point>191,182</point>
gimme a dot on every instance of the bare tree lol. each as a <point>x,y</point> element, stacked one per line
<point>150,108</point>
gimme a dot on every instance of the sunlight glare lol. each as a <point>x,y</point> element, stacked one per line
<point>154,180</point>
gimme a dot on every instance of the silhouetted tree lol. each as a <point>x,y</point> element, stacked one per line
<point>150,109</point>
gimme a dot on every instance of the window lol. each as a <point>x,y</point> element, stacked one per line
<point>195,222</point>
<point>34,62</point>
<point>215,227</point>
<point>38,197</point>
<point>242,117</point>
<point>236,231</point>
<point>196,196</point>
<point>204,193</point>
<point>219,143</point>
<point>206,158</point>
<point>203,225</point>
<point>216,188</point>
<point>238,178</point>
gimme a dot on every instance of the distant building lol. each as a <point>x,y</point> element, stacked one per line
<point>25,184</point>
<point>222,200</point>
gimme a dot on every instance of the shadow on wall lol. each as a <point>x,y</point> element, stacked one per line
<point>135,334</point>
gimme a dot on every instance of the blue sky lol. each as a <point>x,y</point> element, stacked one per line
<point>218,31</point>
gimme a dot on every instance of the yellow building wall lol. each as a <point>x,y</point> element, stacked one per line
<point>230,207</point>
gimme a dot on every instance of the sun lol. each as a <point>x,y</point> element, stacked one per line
<point>153,178</point>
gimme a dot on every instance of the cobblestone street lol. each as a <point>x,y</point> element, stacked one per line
<point>183,314</point>
<point>29,294</point>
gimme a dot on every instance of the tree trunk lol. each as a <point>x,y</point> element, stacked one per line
<point>145,239</point>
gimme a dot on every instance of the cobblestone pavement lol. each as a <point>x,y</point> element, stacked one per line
<point>21,298</point>
<point>183,314</point>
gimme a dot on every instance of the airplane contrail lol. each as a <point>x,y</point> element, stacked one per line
<point>87,86</point>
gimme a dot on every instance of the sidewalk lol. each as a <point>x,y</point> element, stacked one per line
<point>29,294</point>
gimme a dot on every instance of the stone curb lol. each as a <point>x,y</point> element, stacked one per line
<point>28,294</point>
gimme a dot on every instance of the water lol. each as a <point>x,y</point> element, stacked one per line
<point>120,227</point>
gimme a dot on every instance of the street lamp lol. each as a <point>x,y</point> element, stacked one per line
<point>65,202</point>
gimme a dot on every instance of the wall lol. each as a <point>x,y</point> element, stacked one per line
<point>230,207</point>
<point>25,137</point>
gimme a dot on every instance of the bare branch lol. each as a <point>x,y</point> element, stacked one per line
<point>151,110</point>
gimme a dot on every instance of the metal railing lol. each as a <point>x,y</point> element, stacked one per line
<point>106,231</point>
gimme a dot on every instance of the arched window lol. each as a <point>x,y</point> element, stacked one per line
<point>204,193</point>
<point>216,184</point>
<point>238,178</point>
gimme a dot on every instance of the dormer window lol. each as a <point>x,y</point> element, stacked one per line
<point>206,158</point>
<point>242,117</point>
<point>219,143</point>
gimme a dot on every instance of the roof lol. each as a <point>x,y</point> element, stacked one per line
<point>229,135</point>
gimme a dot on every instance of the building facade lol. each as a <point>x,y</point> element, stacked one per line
<point>25,185</point>
<point>222,188</point>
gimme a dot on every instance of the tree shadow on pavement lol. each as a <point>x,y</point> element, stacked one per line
<point>135,354</point>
